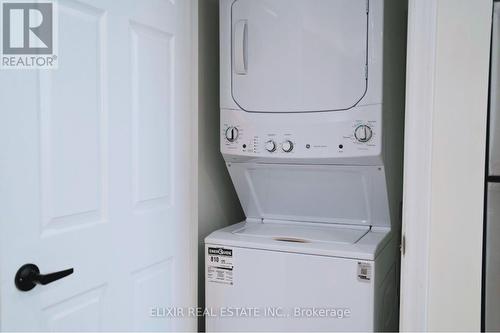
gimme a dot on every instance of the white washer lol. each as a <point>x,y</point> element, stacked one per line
<point>311,132</point>
<point>301,278</point>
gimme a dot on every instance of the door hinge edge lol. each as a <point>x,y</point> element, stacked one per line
<point>402,246</point>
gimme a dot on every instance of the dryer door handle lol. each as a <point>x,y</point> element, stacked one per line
<point>240,46</point>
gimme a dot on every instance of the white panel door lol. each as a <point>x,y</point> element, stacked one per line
<point>299,55</point>
<point>93,174</point>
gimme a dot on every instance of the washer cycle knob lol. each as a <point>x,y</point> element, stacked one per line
<point>270,146</point>
<point>232,134</point>
<point>363,133</point>
<point>287,146</point>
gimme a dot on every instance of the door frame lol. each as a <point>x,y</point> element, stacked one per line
<point>447,77</point>
<point>193,225</point>
<point>417,161</point>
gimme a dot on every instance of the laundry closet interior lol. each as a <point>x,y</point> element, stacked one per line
<point>301,124</point>
<point>250,165</point>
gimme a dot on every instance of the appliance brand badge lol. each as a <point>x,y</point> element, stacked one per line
<point>220,251</point>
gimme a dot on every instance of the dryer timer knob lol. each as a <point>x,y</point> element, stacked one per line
<point>363,133</point>
<point>232,133</point>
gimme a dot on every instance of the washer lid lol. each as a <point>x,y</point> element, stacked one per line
<point>365,248</point>
<point>296,233</point>
<point>333,194</point>
<point>299,55</point>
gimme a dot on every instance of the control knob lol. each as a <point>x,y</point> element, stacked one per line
<point>270,146</point>
<point>287,146</point>
<point>231,133</point>
<point>363,133</point>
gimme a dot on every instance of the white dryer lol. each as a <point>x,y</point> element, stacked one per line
<point>312,104</point>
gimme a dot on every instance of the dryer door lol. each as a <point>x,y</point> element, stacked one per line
<point>299,55</point>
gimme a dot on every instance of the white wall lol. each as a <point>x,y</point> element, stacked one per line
<point>218,205</point>
<point>447,89</point>
<point>459,138</point>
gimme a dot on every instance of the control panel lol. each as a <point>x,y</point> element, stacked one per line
<point>312,136</point>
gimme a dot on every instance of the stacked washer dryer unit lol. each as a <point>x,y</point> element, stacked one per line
<point>312,100</point>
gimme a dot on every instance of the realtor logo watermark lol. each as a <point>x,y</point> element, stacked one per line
<point>29,34</point>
